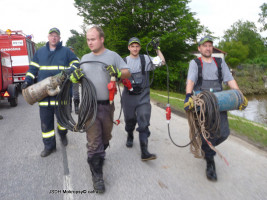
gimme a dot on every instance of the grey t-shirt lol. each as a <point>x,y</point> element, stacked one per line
<point>135,64</point>
<point>96,72</point>
<point>209,71</point>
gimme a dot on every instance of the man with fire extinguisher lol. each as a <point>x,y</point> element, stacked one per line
<point>99,66</point>
<point>136,103</point>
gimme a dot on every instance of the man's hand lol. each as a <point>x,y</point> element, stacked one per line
<point>244,104</point>
<point>188,102</point>
<point>24,85</point>
<point>76,75</point>
<point>155,43</point>
<point>114,71</point>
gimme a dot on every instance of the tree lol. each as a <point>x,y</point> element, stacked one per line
<point>236,52</point>
<point>263,16</point>
<point>246,33</point>
<point>40,44</point>
<point>78,42</point>
<point>170,20</point>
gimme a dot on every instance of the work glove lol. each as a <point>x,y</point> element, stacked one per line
<point>113,71</point>
<point>188,102</point>
<point>76,75</point>
<point>24,85</point>
<point>155,43</point>
<point>244,104</point>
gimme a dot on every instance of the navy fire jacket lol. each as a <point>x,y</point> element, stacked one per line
<point>48,63</point>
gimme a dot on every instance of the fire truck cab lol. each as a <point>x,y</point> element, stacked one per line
<point>8,90</point>
<point>21,48</point>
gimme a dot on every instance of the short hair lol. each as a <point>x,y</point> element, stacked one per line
<point>98,29</point>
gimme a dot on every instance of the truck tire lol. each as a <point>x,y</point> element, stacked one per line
<point>13,92</point>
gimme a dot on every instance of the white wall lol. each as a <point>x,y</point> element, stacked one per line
<point>221,55</point>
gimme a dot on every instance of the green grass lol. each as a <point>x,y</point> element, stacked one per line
<point>254,132</point>
<point>175,103</point>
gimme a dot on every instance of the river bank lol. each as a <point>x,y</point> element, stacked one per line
<point>256,110</point>
<point>251,79</point>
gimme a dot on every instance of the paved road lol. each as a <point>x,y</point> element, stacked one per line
<point>176,174</point>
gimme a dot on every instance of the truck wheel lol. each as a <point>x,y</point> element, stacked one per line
<point>13,99</point>
<point>13,102</point>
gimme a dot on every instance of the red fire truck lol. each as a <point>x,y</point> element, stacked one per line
<point>21,48</point>
<point>8,90</point>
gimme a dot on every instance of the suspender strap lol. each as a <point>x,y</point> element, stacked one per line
<point>218,62</point>
<point>200,65</point>
<point>143,63</point>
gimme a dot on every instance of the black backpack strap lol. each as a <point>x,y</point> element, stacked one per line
<point>200,66</point>
<point>143,63</point>
<point>218,62</point>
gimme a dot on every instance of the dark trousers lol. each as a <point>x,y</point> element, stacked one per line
<point>215,141</point>
<point>47,114</point>
<point>100,132</point>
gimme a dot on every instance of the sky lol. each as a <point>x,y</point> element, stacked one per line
<point>36,17</point>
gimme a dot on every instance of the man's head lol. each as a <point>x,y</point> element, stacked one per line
<point>205,46</point>
<point>134,46</point>
<point>95,39</point>
<point>53,37</point>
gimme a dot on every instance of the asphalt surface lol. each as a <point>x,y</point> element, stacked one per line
<point>175,174</point>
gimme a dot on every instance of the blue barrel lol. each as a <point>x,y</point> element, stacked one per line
<point>228,99</point>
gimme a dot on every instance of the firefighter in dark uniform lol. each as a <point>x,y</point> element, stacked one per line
<point>136,103</point>
<point>48,61</point>
<point>207,73</point>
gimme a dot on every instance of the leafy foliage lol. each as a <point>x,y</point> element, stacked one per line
<point>246,33</point>
<point>78,42</point>
<point>170,20</point>
<point>236,52</point>
<point>39,45</point>
<point>263,16</point>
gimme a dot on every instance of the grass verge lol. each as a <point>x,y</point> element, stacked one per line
<point>252,132</point>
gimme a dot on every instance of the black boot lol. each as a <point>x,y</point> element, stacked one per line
<point>211,171</point>
<point>145,154</point>
<point>96,167</point>
<point>47,152</point>
<point>106,146</point>
<point>76,106</point>
<point>64,139</point>
<point>129,142</point>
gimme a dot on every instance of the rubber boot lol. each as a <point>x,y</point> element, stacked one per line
<point>106,146</point>
<point>64,139</point>
<point>96,167</point>
<point>145,154</point>
<point>211,171</point>
<point>47,152</point>
<point>76,106</point>
<point>129,142</point>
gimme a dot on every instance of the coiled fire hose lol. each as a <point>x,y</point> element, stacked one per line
<point>204,120</point>
<point>88,106</point>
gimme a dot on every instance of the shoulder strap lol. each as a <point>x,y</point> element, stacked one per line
<point>218,62</point>
<point>200,66</point>
<point>143,63</point>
